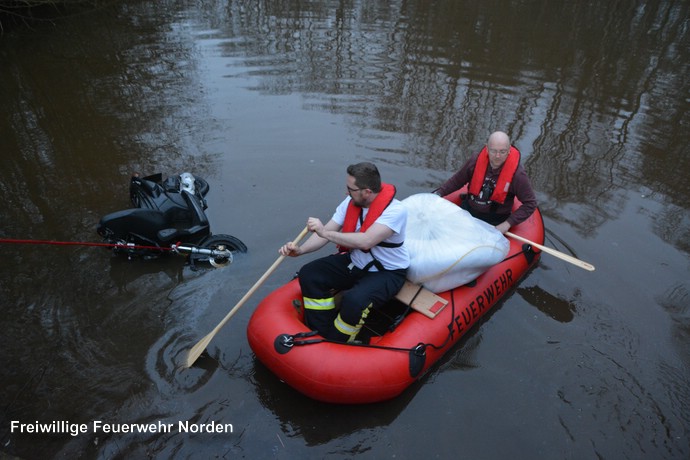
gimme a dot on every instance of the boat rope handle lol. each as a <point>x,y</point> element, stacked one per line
<point>525,249</point>
<point>289,341</point>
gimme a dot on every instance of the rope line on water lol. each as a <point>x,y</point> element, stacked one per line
<point>80,243</point>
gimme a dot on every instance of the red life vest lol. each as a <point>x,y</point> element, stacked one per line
<point>504,177</point>
<point>376,208</point>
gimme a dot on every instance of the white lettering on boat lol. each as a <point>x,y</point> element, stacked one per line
<point>483,302</point>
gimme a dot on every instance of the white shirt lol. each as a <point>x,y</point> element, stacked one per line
<point>393,217</point>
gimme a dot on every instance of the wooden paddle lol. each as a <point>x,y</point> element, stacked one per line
<point>199,348</point>
<point>553,252</point>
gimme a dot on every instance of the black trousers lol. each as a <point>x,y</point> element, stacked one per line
<point>361,290</point>
<point>489,217</point>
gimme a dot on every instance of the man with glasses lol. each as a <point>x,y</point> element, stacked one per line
<point>370,268</point>
<point>495,177</point>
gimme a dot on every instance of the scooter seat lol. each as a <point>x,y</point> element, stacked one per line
<point>121,224</point>
<point>172,235</point>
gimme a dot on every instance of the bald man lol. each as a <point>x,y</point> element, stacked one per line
<point>495,177</point>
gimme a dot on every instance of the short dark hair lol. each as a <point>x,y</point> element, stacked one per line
<point>366,176</point>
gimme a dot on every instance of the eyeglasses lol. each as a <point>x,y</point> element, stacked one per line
<point>498,152</point>
<point>350,190</point>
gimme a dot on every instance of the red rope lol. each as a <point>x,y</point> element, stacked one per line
<point>78,243</point>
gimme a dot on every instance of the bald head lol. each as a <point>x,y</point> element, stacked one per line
<point>498,146</point>
<point>499,137</point>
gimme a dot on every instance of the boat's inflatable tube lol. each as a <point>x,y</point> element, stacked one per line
<point>448,247</point>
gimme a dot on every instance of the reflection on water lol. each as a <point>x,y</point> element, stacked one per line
<point>125,272</point>
<point>318,423</point>
<point>592,93</point>
<point>558,309</point>
<point>590,117</point>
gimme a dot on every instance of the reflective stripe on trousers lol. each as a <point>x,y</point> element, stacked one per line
<point>349,330</point>
<point>319,304</point>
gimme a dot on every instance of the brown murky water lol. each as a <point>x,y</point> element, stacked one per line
<point>270,101</point>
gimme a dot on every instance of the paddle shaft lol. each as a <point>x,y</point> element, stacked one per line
<point>553,252</point>
<point>199,348</point>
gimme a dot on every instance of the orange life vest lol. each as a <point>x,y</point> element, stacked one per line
<point>376,208</point>
<point>504,177</point>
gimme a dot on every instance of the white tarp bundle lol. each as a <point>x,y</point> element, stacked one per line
<point>448,247</point>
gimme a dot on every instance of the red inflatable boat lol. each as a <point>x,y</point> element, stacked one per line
<point>390,362</point>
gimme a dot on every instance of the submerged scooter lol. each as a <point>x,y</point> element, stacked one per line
<point>168,216</point>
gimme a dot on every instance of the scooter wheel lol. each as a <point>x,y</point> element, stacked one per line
<point>227,242</point>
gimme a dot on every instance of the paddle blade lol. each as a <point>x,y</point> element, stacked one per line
<point>197,350</point>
